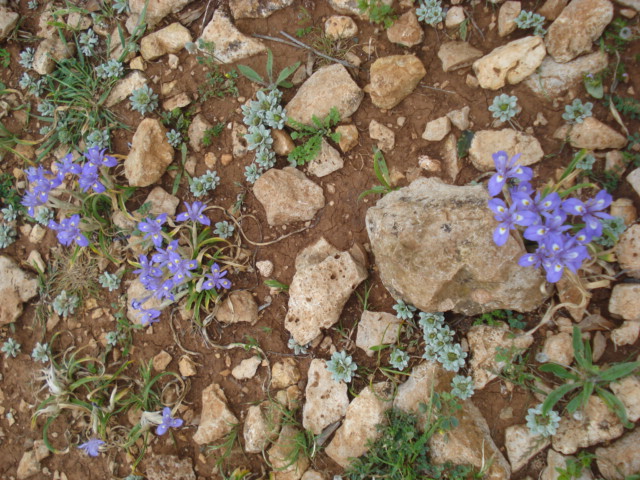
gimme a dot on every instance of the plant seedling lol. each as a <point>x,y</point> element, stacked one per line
<point>382,174</point>
<point>281,80</point>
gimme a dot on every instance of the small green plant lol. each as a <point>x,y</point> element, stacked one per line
<point>224,229</point>
<point>403,310</point>
<point>526,20</point>
<point>211,133</point>
<point>617,36</point>
<point>205,183</point>
<point>612,228</point>
<point>577,111</point>
<point>499,317</point>
<point>40,353</point>
<point>110,281</point>
<point>462,387</point>
<point>381,172</point>
<point>65,304</point>
<point>628,106</point>
<point>341,366</point>
<point>378,12</point>
<point>143,100</point>
<point>399,359</point>
<point>575,467</point>
<point>593,84</point>
<point>217,84</point>
<point>517,367</point>
<point>5,58</point>
<point>8,235</point>
<point>430,12</point>
<point>10,348</point>
<point>225,448</point>
<point>297,348</point>
<point>504,107</point>
<point>587,379</point>
<point>269,82</point>
<point>273,283</point>
<point>309,150</point>
<point>542,423</point>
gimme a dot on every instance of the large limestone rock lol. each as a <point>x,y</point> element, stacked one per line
<point>598,424</point>
<point>169,39</point>
<point>288,196</point>
<point>156,10</point>
<point>50,51</point>
<point>125,87</point>
<point>359,426</point>
<point>285,456</point>
<point>216,420</point>
<point>326,400</point>
<point>231,44</point>
<point>256,8</point>
<point>433,247</point>
<point>522,445</point>
<point>150,154</point>
<point>16,287</point>
<point>486,142</point>
<point>470,443</point>
<point>621,459</point>
<point>592,134</point>
<point>8,20</point>
<point>552,78</point>
<point>577,27</point>
<point>628,251</point>
<point>331,86</point>
<point>393,78</point>
<point>455,55</point>
<point>510,63</point>
<point>324,280</point>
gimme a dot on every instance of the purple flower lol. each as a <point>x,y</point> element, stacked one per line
<point>90,178</point>
<point>32,200</point>
<point>534,259</point>
<point>562,252</point>
<point>149,316</point>
<point>69,231</point>
<point>165,290</point>
<point>148,272</point>
<point>215,279</point>
<point>67,165</point>
<point>99,159</point>
<point>164,256</point>
<point>168,422</point>
<point>590,211</point>
<point>553,224</point>
<point>92,447</point>
<point>506,169</point>
<point>182,270</point>
<point>508,218</point>
<point>194,213</point>
<point>153,228</point>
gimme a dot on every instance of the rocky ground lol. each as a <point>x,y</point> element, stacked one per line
<point>340,231</point>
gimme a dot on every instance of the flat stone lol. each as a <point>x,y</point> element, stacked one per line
<point>256,8</point>
<point>393,78</point>
<point>238,307</point>
<point>486,142</point>
<point>28,466</point>
<point>340,26</point>
<point>326,400</point>
<point>634,180</point>
<point>124,88</point>
<point>282,142</point>
<point>384,136</point>
<point>456,55</point>
<point>628,251</point>
<point>592,134</point>
<point>522,445</point>
<point>628,392</point>
<point>216,420</point>
<point>150,154</point>
<point>326,162</point>
<point>625,301</point>
<point>624,208</point>
<point>247,368</point>
<point>170,467</point>
<point>16,288</point>
<point>377,328</point>
<point>626,334</point>
<point>161,361</point>
<point>231,44</point>
<point>170,39</point>
<point>406,30</point>
<point>507,17</point>
<point>620,459</point>
<point>454,18</point>
<point>460,118</point>
<point>162,202</point>
<point>437,129</point>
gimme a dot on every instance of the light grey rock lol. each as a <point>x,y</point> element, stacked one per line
<point>553,79</point>
<point>456,55</point>
<point>364,413</point>
<point>28,466</point>
<point>340,26</point>
<point>628,251</point>
<point>282,452</point>
<point>284,374</point>
<point>454,17</point>
<point>406,30</point>
<point>329,87</point>
<point>150,154</point>
<point>555,462</point>
<point>154,13</point>
<point>598,424</point>
<point>170,467</point>
<point>433,248</point>
<point>625,301</point>
<point>384,136</point>
<point>628,392</point>
<point>634,180</point>
<point>16,287</point>
<point>507,17</point>
<point>522,445</point>
<point>377,328</point>
<point>8,21</point>
<point>326,162</point>
<point>578,26</point>
<point>49,51</point>
<point>288,196</point>
<point>437,129</point>
<point>197,130</point>
<point>510,63</point>
<point>460,118</point>
<point>592,134</point>
<point>324,280</point>
<point>170,39</point>
<point>326,400</point>
<point>620,459</point>
<point>162,202</point>
<point>216,420</point>
<point>450,158</point>
<point>558,349</point>
<point>231,44</point>
<point>247,368</point>
<point>125,87</point>
<point>256,8</point>
<point>485,144</point>
<point>238,307</point>
<point>626,334</point>
<point>393,78</point>
<point>484,341</point>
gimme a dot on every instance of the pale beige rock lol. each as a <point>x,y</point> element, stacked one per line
<point>522,445</point>
<point>282,142</point>
<point>455,55</point>
<point>507,17</point>
<point>340,26</point>
<point>483,341</point>
<point>628,251</point>
<point>592,134</point>
<point>247,368</point>
<point>555,462</point>
<point>628,392</point>
<point>49,51</point>
<point>626,334</point>
<point>231,44</point>
<point>187,367</point>
<point>625,301</point>
<point>265,267</point>
<point>429,164</point>
<point>484,142</point>
<point>197,130</point>
<point>256,8</point>
<point>552,79</point>
<point>635,4</point>
<point>281,453</point>
<point>348,137</point>
<point>510,63</point>
<point>8,20</point>
<point>450,158</point>
<point>634,180</point>
<point>326,400</point>
<point>180,100</point>
<point>35,260</point>
<point>284,374</point>
<point>150,154</point>
<point>161,361</point>
<point>329,87</point>
<point>324,280</point>
<point>312,475</point>
<point>170,39</point>
<point>76,21</point>
<point>599,424</point>
<point>154,11</point>
<point>384,136</point>
<point>460,118</point>
<point>239,142</point>
<point>377,328</point>
<point>125,87</point>
<point>393,78</point>
<point>551,9</point>
<point>365,412</point>
<point>437,129</point>
<point>558,348</point>
<point>162,202</point>
<point>620,459</point>
<point>326,162</point>
<point>261,426</point>
<point>288,196</point>
<point>16,287</point>
<point>406,30</point>
<point>238,307</point>
<point>577,27</point>
<point>216,420</point>
<point>454,18</point>
<point>169,467</point>
<point>28,466</point>
<point>624,208</point>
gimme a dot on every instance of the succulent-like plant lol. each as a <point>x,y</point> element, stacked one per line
<point>26,57</point>
<point>462,387</point>
<point>252,173</point>
<point>174,137</point>
<point>504,107</point>
<point>110,69</point>
<point>204,184</point>
<point>43,215</point>
<point>143,100</point>
<point>9,213</point>
<point>8,235</point>
<point>341,366</point>
<point>404,311</point>
<point>98,138</point>
<point>224,229</point>
<point>88,41</point>
<point>297,349</point>
<point>452,357</point>
<point>40,353</point>
<point>64,304</point>
<point>577,111</point>
<point>430,12</point>
<point>109,280</point>
<point>526,19</point>
<point>399,359</point>
<point>121,6</point>
<point>544,424</point>
<point>10,348</point>
<point>32,4</point>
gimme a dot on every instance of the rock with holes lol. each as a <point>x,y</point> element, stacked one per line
<point>340,26</point>
<point>383,135</point>
<point>522,445</point>
<point>231,44</point>
<point>433,247</point>
<point>170,467</point>
<point>154,12</point>
<point>256,8</point>
<point>216,420</point>
<point>239,306</point>
<point>510,63</point>
<point>170,39</point>
<point>628,251</point>
<point>150,154</point>
<point>16,287</point>
<point>486,142</point>
<point>326,400</point>
<point>326,162</point>
<point>377,328</point>
<point>324,280</point>
<point>625,301</point>
<point>393,78</point>
<point>621,459</point>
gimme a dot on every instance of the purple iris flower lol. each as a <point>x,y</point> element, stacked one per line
<point>92,447</point>
<point>164,256</point>
<point>32,200</point>
<point>508,218</point>
<point>590,211</point>
<point>552,224</point>
<point>69,231</point>
<point>194,213</point>
<point>67,165</point>
<point>562,252</point>
<point>149,316</point>
<point>99,159</point>
<point>584,236</point>
<point>168,422</point>
<point>147,271</point>
<point>505,169</point>
<point>90,178</point>
<point>215,279</point>
<point>153,228</point>
<point>534,259</point>
<point>165,290</point>
<point>183,270</point>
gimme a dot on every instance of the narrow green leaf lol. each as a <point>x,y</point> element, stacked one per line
<point>251,74</point>
<point>618,371</point>
<point>615,405</point>
<point>270,65</point>
<point>558,371</point>
<point>286,73</point>
<point>556,395</point>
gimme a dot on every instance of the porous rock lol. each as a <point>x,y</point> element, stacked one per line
<point>522,445</point>
<point>150,154</point>
<point>393,78</point>
<point>377,328</point>
<point>256,8</point>
<point>216,420</point>
<point>261,425</point>
<point>239,306</point>
<point>326,162</point>
<point>625,301</point>
<point>284,374</point>
<point>125,87</point>
<point>16,287</point>
<point>406,30</point>
<point>455,55</point>
<point>282,453</point>
<point>170,39</point>
<point>433,248</point>
<point>626,334</point>
<point>49,52</point>
<point>326,400</point>
<point>288,196</point>
<point>170,467</point>
<point>510,63</point>
<point>28,466</point>
<point>8,20</point>
<point>348,137</point>
<point>556,462</point>
<point>324,280</point>
<point>484,142</point>
<point>628,251</point>
<point>620,459</point>
<point>592,134</point>
<point>627,390</point>
<point>231,44</point>
<point>340,26</point>
<point>329,87</point>
<point>383,135</point>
